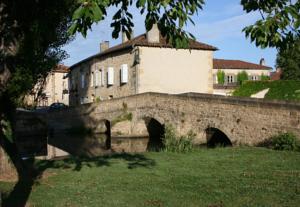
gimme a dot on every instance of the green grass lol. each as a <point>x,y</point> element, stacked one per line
<point>205,177</point>
<point>280,90</point>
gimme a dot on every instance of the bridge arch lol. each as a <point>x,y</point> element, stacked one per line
<point>107,133</point>
<point>216,137</point>
<point>156,131</point>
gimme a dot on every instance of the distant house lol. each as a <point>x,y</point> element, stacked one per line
<point>231,69</point>
<point>53,89</point>
<point>276,75</point>
<point>146,63</point>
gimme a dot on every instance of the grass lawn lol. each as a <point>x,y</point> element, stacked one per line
<point>280,90</point>
<point>206,177</point>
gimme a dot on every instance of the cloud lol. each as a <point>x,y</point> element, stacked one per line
<point>222,29</point>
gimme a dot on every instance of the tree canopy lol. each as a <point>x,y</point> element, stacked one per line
<point>279,25</point>
<point>289,62</point>
<point>32,34</point>
<point>170,16</point>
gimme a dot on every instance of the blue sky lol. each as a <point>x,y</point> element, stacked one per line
<point>220,24</point>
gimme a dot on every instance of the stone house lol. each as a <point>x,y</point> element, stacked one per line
<point>146,63</point>
<point>53,89</point>
<point>232,68</point>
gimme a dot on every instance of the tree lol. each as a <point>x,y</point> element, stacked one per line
<point>242,76</point>
<point>279,26</point>
<point>289,62</point>
<point>170,16</point>
<point>32,33</point>
<point>221,77</point>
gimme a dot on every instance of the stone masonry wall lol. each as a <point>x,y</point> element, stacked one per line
<point>245,121</point>
<point>103,91</point>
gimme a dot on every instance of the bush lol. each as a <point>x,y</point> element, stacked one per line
<point>221,77</point>
<point>173,143</point>
<point>280,90</point>
<point>264,77</point>
<point>285,141</point>
<point>241,77</point>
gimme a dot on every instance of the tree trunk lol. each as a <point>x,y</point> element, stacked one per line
<point>11,150</point>
<point>7,111</point>
<point>7,170</point>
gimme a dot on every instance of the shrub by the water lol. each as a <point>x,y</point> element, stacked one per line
<point>173,143</point>
<point>285,141</point>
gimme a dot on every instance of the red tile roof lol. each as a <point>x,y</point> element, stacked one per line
<point>61,69</point>
<point>237,64</point>
<point>276,75</point>
<point>141,40</point>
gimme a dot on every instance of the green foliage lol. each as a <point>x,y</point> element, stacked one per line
<point>98,100</point>
<point>171,17</point>
<point>125,116</point>
<point>280,90</point>
<point>7,129</point>
<point>221,77</point>
<point>280,23</point>
<point>264,77</point>
<point>40,38</point>
<point>172,143</point>
<point>289,61</point>
<point>242,76</point>
<point>285,141</point>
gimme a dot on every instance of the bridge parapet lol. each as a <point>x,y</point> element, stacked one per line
<point>245,121</point>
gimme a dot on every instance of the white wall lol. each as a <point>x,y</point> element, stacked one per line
<point>174,71</point>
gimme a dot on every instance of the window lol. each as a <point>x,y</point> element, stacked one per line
<point>254,77</point>
<point>110,76</point>
<point>82,80</point>
<point>64,85</point>
<point>229,78</point>
<point>124,73</point>
<point>215,79</point>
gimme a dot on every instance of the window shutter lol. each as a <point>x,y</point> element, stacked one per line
<point>110,76</point>
<point>124,73</point>
<point>92,79</point>
<point>102,78</point>
<point>97,77</point>
<point>82,80</point>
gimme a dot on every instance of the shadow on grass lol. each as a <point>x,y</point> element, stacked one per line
<point>19,195</point>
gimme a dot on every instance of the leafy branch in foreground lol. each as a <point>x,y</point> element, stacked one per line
<point>279,25</point>
<point>170,15</point>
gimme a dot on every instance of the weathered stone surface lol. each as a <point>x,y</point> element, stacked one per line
<point>245,121</point>
<point>121,128</point>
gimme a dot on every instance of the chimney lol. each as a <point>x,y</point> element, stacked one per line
<point>153,34</point>
<point>262,62</point>
<point>104,46</point>
<point>124,37</point>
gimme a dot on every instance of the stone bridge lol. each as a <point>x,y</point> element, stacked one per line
<point>135,123</point>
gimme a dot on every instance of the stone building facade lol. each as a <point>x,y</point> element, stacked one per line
<point>51,90</point>
<point>146,63</point>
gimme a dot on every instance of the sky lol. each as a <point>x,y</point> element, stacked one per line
<point>220,24</point>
